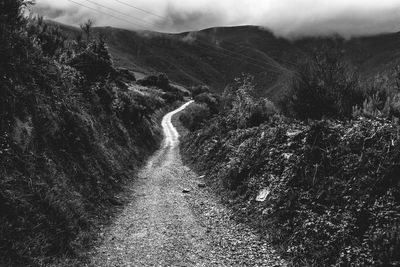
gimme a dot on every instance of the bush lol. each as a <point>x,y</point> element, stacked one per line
<point>161,81</point>
<point>243,109</point>
<point>394,106</point>
<point>200,89</point>
<point>382,98</point>
<point>126,75</point>
<point>262,111</point>
<point>133,106</point>
<point>194,115</point>
<point>17,51</point>
<point>66,146</point>
<point>334,191</point>
<point>322,87</point>
<point>50,37</point>
<point>171,97</point>
<point>212,101</point>
<point>94,62</point>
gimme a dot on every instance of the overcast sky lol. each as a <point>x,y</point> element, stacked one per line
<point>287,18</point>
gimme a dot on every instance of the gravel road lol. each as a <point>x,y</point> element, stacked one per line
<point>163,226</point>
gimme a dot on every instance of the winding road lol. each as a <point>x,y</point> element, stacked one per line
<point>162,226</point>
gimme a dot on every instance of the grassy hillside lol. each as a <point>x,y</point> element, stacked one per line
<point>325,192</point>
<point>73,130</point>
<point>218,55</point>
<point>200,57</point>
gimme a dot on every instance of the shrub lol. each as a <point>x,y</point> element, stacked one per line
<point>66,146</point>
<point>133,106</point>
<point>200,89</point>
<point>243,108</point>
<point>262,111</point>
<point>322,87</point>
<point>171,97</point>
<point>212,101</point>
<point>126,75</point>
<point>161,81</point>
<point>334,191</point>
<point>50,38</point>
<point>194,115</point>
<point>394,106</point>
<point>372,106</point>
<point>382,98</point>
<point>94,61</point>
<point>17,52</point>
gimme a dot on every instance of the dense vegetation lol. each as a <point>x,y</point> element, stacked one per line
<point>324,86</point>
<point>201,57</point>
<point>327,172</point>
<point>71,134</point>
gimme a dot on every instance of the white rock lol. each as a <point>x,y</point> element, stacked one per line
<point>262,196</point>
<point>293,133</point>
<point>287,155</point>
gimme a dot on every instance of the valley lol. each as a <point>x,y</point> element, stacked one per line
<point>216,56</point>
<point>171,221</point>
<point>227,146</point>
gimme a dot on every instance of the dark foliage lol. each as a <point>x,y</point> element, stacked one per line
<point>332,187</point>
<point>50,37</point>
<point>200,89</point>
<point>133,107</point>
<point>69,139</point>
<point>14,47</point>
<point>324,86</point>
<point>238,105</point>
<point>211,100</point>
<point>94,62</point>
<point>242,108</point>
<point>161,81</point>
<point>194,116</point>
<point>171,97</point>
<point>126,75</point>
<point>205,107</point>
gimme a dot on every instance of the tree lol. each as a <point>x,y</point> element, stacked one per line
<point>94,61</point>
<point>87,28</point>
<point>11,13</point>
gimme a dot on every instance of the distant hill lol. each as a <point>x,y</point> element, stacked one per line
<point>216,56</point>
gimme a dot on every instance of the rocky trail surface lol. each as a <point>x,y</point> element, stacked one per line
<point>173,220</point>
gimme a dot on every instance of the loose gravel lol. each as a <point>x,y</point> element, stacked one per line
<point>163,226</point>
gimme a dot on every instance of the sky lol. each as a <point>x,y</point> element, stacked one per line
<point>286,18</point>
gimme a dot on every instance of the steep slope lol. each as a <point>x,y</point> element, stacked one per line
<point>218,55</point>
<point>213,56</point>
<point>71,135</point>
<point>376,54</point>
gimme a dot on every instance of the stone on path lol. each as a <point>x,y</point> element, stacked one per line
<point>262,196</point>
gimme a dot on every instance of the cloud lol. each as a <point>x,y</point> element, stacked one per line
<point>288,18</point>
<point>191,37</point>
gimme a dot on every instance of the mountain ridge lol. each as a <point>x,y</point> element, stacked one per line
<point>216,56</point>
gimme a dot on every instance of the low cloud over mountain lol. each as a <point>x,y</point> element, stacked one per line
<point>284,17</point>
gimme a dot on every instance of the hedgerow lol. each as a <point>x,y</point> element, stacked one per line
<point>194,116</point>
<point>71,135</point>
<point>333,187</point>
<point>332,191</point>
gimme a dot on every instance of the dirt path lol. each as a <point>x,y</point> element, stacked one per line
<point>162,226</point>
